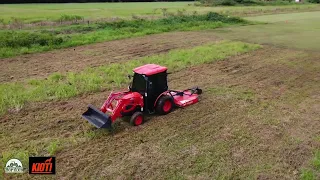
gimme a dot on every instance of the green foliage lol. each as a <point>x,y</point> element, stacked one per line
<point>16,39</point>
<point>175,22</point>
<point>55,77</point>
<point>2,22</point>
<point>58,86</point>
<point>22,42</point>
<point>11,95</point>
<point>314,1</point>
<point>65,17</point>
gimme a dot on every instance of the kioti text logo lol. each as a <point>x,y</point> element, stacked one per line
<point>42,165</point>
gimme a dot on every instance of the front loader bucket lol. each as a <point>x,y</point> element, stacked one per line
<point>97,118</point>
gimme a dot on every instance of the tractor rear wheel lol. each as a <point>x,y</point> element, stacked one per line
<point>199,91</point>
<point>137,119</point>
<point>164,105</point>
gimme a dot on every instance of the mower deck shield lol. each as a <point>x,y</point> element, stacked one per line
<point>97,118</point>
<point>185,99</point>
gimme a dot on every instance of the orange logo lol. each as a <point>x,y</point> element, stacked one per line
<point>42,165</point>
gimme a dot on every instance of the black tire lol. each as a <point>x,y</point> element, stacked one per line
<point>137,119</point>
<point>199,91</point>
<point>163,106</point>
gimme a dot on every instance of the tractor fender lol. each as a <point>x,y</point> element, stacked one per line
<point>162,94</point>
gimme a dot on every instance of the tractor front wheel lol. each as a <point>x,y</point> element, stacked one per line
<point>164,105</point>
<point>137,119</point>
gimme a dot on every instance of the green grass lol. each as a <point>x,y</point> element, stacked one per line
<point>20,42</point>
<point>305,16</point>
<point>21,155</point>
<point>316,161</point>
<point>98,133</point>
<point>54,147</point>
<point>295,30</point>
<point>43,12</point>
<point>52,12</point>
<point>313,172</point>
<point>58,86</point>
<point>307,175</point>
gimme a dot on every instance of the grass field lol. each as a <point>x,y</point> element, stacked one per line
<point>52,12</point>
<point>14,43</point>
<point>298,30</point>
<point>258,116</point>
<point>38,12</point>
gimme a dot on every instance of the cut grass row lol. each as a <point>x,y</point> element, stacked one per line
<point>22,42</point>
<point>58,86</point>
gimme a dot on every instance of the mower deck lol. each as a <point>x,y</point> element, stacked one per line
<point>185,99</point>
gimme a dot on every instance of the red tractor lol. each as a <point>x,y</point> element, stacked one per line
<point>148,93</point>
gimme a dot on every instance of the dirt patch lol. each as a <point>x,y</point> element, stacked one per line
<point>78,58</point>
<point>228,134</point>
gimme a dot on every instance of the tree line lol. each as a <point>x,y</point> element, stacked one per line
<point>79,1</point>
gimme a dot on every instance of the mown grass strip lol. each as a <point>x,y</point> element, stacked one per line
<point>250,2</point>
<point>59,86</point>
<point>13,43</point>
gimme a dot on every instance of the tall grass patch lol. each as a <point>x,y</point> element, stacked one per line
<point>28,41</point>
<point>59,86</point>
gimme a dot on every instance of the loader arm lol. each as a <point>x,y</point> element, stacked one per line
<point>114,110</point>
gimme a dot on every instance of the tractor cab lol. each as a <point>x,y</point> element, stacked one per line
<point>150,81</point>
